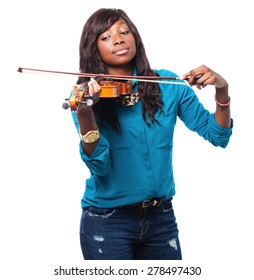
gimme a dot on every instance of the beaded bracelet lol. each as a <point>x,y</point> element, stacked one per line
<point>223,104</point>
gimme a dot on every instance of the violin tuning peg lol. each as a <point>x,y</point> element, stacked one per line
<point>88,102</point>
<point>66,105</point>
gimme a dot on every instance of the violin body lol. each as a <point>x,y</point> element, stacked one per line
<point>109,89</point>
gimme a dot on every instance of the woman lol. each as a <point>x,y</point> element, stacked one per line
<point>126,143</point>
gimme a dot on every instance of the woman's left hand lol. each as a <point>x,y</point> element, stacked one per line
<point>203,76</point>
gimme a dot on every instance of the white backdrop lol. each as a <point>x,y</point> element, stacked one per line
<point>42,176</point>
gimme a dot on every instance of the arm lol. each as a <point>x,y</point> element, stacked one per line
<point>203,76</point>
<point>86,118</point>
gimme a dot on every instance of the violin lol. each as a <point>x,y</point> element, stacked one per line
<point>109,89</point>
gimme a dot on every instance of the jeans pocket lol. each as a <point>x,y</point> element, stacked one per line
<point>99,212</point>
<point>166,206</point>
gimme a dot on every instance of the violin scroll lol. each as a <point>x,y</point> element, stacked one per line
<point>79,96</point>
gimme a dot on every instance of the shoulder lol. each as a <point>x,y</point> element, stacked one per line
<point>178,91</point>
<point>165,72</point>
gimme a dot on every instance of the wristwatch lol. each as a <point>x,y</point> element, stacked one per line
<point>91,136</point>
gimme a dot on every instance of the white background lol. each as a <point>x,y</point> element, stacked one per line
<point>42,175</point>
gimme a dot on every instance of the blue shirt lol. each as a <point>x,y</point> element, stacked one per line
<point>135,164</point>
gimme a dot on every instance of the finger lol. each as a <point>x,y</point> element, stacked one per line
<point>192,77</point>
<point>201,79</point>
<point>186,75</point>
<point>209,81</point>
<point>91,86</point>
<point>97,87</point>
<point>92,80</point>
<point>94,87</point>
<point>195,72</point>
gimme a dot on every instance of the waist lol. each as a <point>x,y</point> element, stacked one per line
<point>153,202</point>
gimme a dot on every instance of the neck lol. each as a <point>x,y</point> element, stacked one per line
<point>126,71</point>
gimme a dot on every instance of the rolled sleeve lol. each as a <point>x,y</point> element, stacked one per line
<point>219,136</point>
<point>99,162</point>
<point>200,120</point>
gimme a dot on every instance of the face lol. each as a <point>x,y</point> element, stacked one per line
<point>117,46</point>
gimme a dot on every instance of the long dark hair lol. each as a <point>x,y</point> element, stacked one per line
<point>90,62</point>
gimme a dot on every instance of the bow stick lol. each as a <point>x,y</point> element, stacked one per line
<point>151,79</point>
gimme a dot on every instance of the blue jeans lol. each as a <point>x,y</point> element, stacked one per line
<point>130,233</point>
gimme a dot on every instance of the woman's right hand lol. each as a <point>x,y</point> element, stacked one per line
<point>94,89</point>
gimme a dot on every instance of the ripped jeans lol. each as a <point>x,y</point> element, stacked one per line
<point>130,233</point>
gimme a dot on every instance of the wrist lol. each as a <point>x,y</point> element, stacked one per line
<point>90,136</point>
<point>223,103</point>
<point>222,95</point>
<point>84,111</point>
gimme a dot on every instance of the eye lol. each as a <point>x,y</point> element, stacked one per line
<point>105,38</point>
<point>125,32</point>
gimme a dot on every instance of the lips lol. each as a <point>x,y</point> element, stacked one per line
<point>121,51</point>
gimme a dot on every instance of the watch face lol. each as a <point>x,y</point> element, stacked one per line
<point>91,137</point>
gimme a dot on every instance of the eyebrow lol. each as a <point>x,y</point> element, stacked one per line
<point>124,22</point>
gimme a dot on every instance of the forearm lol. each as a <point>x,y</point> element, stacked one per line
<point>87,123</point>
<point>222,113</point>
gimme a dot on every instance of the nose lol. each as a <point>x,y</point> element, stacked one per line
<point>118,39</point>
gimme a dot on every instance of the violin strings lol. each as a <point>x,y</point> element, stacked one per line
<point>185,83</point>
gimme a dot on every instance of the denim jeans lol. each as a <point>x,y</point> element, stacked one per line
<point>130,233</point>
